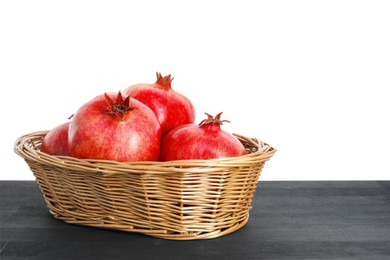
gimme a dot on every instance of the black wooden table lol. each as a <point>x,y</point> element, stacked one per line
<point>289,220</point>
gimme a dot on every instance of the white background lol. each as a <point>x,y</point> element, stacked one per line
<point>309,77</point>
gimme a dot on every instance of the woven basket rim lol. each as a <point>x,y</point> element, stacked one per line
<point>27,146</point>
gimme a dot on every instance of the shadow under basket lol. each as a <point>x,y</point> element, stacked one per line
<point>179,200</point>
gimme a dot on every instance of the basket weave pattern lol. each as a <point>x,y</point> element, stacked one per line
<point>180,200</point>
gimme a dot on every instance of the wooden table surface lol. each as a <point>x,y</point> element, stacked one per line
<point>289,220</point>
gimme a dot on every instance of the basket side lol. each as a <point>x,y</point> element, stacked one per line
<point>182,200</point>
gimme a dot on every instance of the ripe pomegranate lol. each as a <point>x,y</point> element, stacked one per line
<point>109,127</point>
<point>171,108</point>
<point>55,141</point>
<point>204,141</point>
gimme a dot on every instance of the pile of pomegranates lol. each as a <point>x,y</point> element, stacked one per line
<point>144,122</point>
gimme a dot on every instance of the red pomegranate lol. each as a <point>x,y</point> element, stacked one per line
<point>204,141</point>
<point>112,128</point>
<point>55,141</point>
<point>171,108</point>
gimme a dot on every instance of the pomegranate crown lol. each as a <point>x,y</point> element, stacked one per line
<point>164,81</point>
<point>118,107</point>
<point>210,119</point>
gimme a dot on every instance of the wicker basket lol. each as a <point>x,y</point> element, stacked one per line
<point>180,200</point>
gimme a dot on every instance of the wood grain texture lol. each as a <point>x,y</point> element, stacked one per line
<point>289,220</point>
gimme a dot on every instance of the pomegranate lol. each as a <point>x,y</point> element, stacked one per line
<point>204,141</point>
<point>110,127</point>
<point>55,141</point>
<point>171,108</point>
